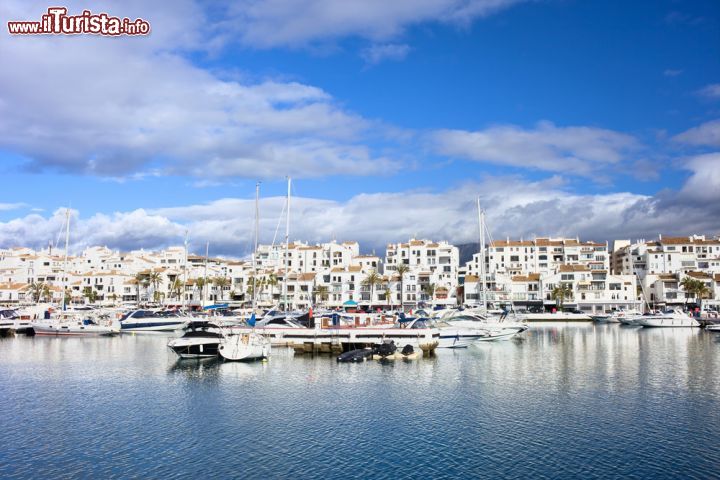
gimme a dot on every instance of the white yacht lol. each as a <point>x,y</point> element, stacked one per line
<point>73,324</point>
<point>244,347</point>
<point>673,318</point>
<point>451,336</point>
<point>499,328</point>
<point>616,316</point>
<point>154,321</point>
<point>201,340</point>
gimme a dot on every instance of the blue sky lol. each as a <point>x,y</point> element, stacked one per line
<point>590,118</point>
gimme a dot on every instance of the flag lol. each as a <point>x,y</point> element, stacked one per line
<point>251,320</point>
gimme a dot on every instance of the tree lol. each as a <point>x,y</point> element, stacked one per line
<point>689,285</point>
<point>36,290</point>
<point>155,280</point>
<point>372,279</point>
<point>90,294</point>
<point>321,292</point>
<point>388,295</point>
<point>560,293</point>
<point>175,288</point>
<point>201,282</point>
<point>221,283</point>
<point>271,282</point>
<point>139,279</point>
<point>429,290</point>
<point>401,270</point>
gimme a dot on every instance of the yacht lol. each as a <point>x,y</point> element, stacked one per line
<point>73,324</point>
<point>154,321</point>
<point>201,340</point>
<point>451,336</point>
<point>244,346</point>
<point>616,316</point>
<point>671,318</point>
<point>499,328</point>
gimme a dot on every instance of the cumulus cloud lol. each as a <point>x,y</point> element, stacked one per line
<point>515,207</point>
<point>272,23</point>
<point>115,107</point>
<point>574,150</point>
<point>711,91</point>
<point>11,206</point>
<point>379,53</point>
<point>707,134</point>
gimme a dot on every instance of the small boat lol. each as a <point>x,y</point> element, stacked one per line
<point>713,327</point>
<point>153,321</point>
<point>244,346</point>
<point>384,350</point>
<point>616,316</point>
<point>201,340</point>
<point>671,318</point>
<point>359,355</point>
<point>407,353</point>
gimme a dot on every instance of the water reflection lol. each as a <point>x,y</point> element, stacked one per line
<point>564,400</point>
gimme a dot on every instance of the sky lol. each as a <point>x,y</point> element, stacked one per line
<point>590,118</point>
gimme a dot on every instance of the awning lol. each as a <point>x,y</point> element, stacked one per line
<point>350,303</point>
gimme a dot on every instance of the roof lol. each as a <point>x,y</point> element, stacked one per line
<point>471,278</point>
<point>701,275</point>
<point>574,268</point>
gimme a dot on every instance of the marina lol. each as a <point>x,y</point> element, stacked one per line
<point>534,407</point>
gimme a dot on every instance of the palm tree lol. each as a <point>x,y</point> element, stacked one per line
<point>175,288</point>
<point>139,279</point>
<point>401,270</point>
<point>388,295</point>
<point>321,292</point>
<point>429,290</point>
<point>201,282</point>
<point>702,290</point>
<point>372,279</point>
<point>689,285</point>
<point>221,283</point>
<point>90,294</point>
<point>271,282</point>
<point>36,289</point>
<point>560,293</point>
<point>155,280</point>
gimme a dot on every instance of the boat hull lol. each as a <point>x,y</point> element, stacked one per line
<point>196,349</point>
<point>152,327</point>
<point>668,322</point>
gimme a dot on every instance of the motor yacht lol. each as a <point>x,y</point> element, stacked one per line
<point>154,321</point>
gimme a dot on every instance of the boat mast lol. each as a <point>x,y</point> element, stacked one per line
<point>67,242</point>
<point>185,270</point>
<point>287,247</point>
<point>207,252</point>
<point>254,255</point>
<point>481,221</point>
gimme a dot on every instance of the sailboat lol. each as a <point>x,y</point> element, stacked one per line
<point>487,327</point>
<point>243,344</point>
<point>72,323</point>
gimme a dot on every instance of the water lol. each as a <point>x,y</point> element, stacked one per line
<point>565,401</point>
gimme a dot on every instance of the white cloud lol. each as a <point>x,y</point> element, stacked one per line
<point>672,73</point>
<point>710,91</point>
<point>515,206</point>
<point>272,23</point>
<point>571,150</point>
<point>11,206</point>
<point>707,134</point>
<point>118,107</point>
<point>390,51</point>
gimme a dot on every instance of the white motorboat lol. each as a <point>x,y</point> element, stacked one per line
<point>498,328</point>
<point>451,336</point>
<point>713,327</point>
<point>71,324</point>
<point>244,346</point>
<point>201,340</point>
<point>616,316</point>
<point>154,321</point>
<point>673,318</point>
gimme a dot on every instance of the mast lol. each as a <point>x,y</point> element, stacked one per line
<point>287,247</point>
<point>481,232</point>
<point>207,252</point>
<point>65,260</point>
<point>254,255</point>
<point>185,270</point>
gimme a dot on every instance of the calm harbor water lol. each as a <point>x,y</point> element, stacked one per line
<point>564,401</point>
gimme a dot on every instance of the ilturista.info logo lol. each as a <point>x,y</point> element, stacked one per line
<point>57,22</point>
